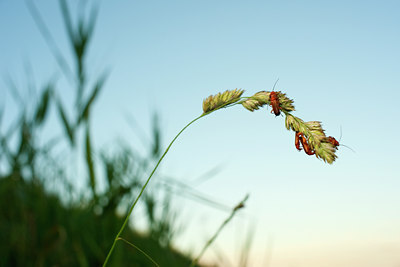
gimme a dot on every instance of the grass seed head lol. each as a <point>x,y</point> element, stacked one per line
<point>315,135</point>
<point>214,102</point>
<point>256,101</point>
<point>326,152</point>
<point>285,103</point>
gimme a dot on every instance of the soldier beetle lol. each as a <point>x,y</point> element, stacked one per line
<point>300,138</point>
<point>306,146</point>
<point>273,98</point>
<point>297,141</point>
<point>274,101</point>
<point>333,141</point>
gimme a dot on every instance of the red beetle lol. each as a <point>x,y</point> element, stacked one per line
<point>274,100</point>
<point>300,138</point>
<point>333,141</point>
<point>297,141</point>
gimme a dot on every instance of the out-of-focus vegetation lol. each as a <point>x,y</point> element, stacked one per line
<point>47,221</point>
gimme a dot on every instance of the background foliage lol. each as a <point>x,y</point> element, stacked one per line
<point>46,220</point>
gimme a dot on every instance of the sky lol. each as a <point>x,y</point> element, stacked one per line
<point>338,60</point>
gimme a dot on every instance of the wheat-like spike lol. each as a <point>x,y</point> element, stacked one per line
<point>285,103</point>
<point>256,101</point>
<point>326,152</point>
<point>315,135</point>
<point>214,102</point>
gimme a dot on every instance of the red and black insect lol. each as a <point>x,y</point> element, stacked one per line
<point>273,98</point>
<point>306,146</point>
<point>300,138</point>
<point>297,141</point>
<point>333,141</point>
<point>274,101</point>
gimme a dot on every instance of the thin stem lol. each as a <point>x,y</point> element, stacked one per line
<point>144,253</point>
<point>144,187</point>
<point>211,240</point>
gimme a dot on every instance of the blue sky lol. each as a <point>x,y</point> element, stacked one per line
<point>338,60</point>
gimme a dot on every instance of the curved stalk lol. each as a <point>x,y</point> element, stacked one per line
<point>141,251</point>
<point>144,187</point>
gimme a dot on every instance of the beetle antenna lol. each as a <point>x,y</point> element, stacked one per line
<point>348,148</point>
<point>275,84</point>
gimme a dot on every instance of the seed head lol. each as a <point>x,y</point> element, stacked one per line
<point>315,135</point>
<point>214,102</point>
<point>326,152</point>
<point>316,132</point>
<point>256,101</point>
<point>285,103</point>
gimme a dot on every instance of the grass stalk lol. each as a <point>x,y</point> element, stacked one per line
<point>144,187</point>
<point>222,226</point>
<point>144,253</point>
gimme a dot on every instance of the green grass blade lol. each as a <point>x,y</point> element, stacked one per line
<point>156,146</point>
<point>13,89</point>
<point>69,131</point>
<point>212,239</point>
<point>95,92</point>
<point>42,108</point>
<point>141,251</point>
<point>67,20</point>
<point>92,20</point>
<point>37,18</point>
<point>89,161</point>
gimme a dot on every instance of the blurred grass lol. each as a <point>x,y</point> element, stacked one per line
<point>45,220</point>
<point>43,226</point>
<point>36,229</point>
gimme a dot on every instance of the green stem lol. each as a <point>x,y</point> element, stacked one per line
<point>144,187</point>
<point>144,253</point>
<point>211,240</point>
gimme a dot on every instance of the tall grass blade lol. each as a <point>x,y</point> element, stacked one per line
<point>84,116</point>
<point>141,251</point>
<point>222,226</point>
<point>156,146</point>
<point>42,107</point>
<point>79,37</point>
<point>13,89</point>
<point>89,162</point>
<point>24,138</point>
<point>67,20</point>
<point>92,21</point>
<point>37,18</point>
<point>174,185</point>
<point>69,130</point>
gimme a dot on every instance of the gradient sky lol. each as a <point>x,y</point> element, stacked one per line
<point>338,60</point>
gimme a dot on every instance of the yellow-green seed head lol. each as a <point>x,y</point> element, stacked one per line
<point>294,123</point>
<point>315,135</point>
<point>256,101</point>
<point>326,152</point>
<point>285,103</point>
<point>214,102</point>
